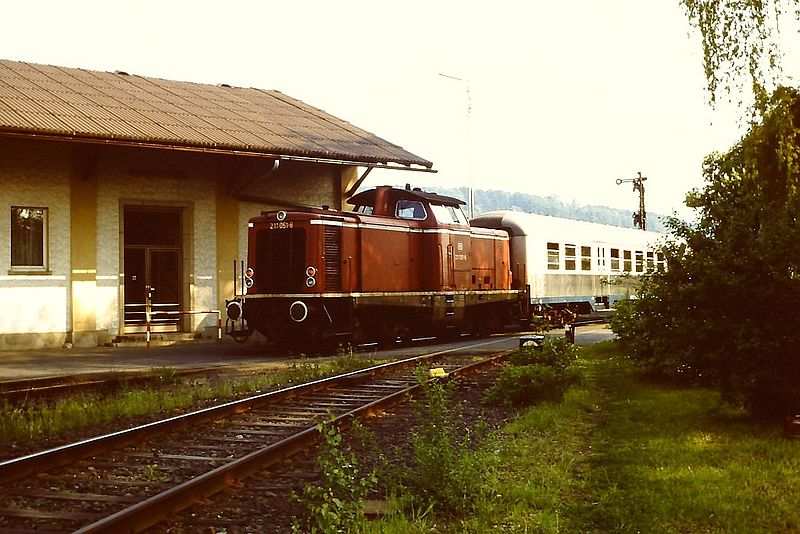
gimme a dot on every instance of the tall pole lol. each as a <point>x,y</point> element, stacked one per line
<point>471,192</point>
<point>640,217</point>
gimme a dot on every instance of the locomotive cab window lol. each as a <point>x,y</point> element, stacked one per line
<point>410,209</point>
<point>366,210</point>
<point>449,214</point>
<point>29,239</point>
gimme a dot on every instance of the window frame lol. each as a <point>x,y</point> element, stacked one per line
<point>21,268</point>
<point>409,204</point>
<point>570,257</point>
<point>553,256</point>
<point>586,258</point>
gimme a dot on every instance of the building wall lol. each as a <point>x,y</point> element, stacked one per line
<point>36,176</point>
<point>86,188</point>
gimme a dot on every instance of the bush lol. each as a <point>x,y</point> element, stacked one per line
<point>536,376</point>
<point>337,505</point>
<point>443,477</point>
<point>529,384</point>
<point>556,352</point>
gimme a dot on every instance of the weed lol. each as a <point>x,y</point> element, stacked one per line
<point>337,505</point>
<point>443,476</point>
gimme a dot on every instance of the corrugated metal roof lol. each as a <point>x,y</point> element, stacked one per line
<point>78,103</point>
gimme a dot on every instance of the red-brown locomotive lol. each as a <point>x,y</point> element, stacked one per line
<point>403,263</point>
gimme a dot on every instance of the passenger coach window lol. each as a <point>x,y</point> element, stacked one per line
<point>627,263</point>
<point>615,259</point>
<point>569,257</point>
<point>552,256</point>
<point>410,209</point>
<point>660,261</point>
<point>586,258</point>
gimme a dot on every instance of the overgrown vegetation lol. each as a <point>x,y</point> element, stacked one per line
<point>621,453</point>
<point>337,503</point>
<point>440,476</point>
<point>725,312</point>
<point>46,419</point>
<point>537,374</point>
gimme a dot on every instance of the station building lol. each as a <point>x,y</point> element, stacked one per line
<point>117,187</point>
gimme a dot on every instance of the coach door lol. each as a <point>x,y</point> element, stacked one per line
<point>153,269</point>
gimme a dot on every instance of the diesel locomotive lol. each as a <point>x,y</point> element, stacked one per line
<point>408,263</point>
<point>403,263</point>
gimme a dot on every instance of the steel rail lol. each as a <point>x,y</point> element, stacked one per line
<point>151,511</point>
<point>16,468</point>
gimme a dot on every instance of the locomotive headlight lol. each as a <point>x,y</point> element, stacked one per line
<point>311,281</point>
<point>248,282</point>
<point>311,271</point>
<point>234,310</point>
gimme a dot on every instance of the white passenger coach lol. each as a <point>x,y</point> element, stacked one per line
<point>568,264</point>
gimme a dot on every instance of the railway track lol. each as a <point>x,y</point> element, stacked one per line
<point>130,480</point>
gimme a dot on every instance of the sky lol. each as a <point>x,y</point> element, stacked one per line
<point>564,97</point>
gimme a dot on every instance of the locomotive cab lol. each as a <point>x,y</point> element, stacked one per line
<point>410,205</point>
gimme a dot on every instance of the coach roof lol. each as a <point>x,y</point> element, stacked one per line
<point>118,108</point>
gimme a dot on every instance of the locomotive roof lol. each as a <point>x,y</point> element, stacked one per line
<point>367,198</point>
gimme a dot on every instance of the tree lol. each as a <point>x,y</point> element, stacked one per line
<point>740,40</point>
<point>725,311</point>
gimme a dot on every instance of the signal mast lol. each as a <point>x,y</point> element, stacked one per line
<point>640,217</point>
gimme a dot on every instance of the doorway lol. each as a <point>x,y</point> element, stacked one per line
<point>153,268</point>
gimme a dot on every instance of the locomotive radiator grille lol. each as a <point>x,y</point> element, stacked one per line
<point>281,260</point>
<point>332,249</point>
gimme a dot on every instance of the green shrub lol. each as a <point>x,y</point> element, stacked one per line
<point>537,375</point>
<point>443,476</point>
<point>337,505</point>
<point>556,352</point>
<point>524,385</point>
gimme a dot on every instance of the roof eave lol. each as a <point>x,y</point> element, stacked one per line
<point>329,159</point>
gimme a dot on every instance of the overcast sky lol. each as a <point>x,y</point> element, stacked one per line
<point>566,97</point>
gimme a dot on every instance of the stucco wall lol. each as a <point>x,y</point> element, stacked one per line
<point>37,308</point>
<point>35,175</point>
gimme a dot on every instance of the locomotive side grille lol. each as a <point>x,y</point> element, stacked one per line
<point>333,258</point>
<point>280,260</point>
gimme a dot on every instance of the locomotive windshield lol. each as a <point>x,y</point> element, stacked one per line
<point>449,214</point>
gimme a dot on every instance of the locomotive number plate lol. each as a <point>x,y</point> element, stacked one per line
<point>281,225</point>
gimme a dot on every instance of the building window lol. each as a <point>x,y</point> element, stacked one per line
<point>615,259</point>
<point>626,266</point>
<point>586,258</point>
<point>28,239</point>
<point>639,261</point>
<point>553,262</point>
<point>569,257</point>
<point>650,260</point>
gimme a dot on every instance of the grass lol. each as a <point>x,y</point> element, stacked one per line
<point>73,412</point>
<point>621,454</point>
